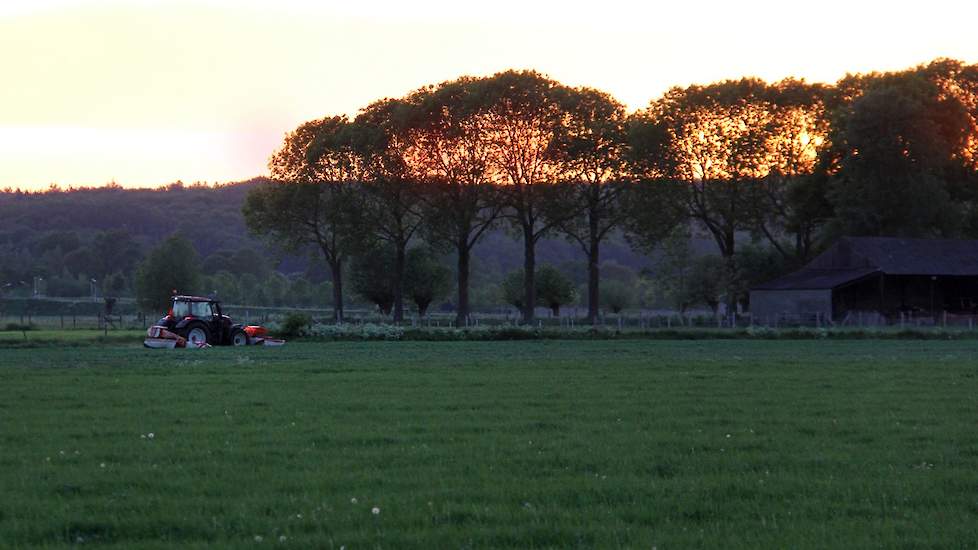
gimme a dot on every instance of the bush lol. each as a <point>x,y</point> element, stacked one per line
<point>294,325</point>
<point>367,331</point>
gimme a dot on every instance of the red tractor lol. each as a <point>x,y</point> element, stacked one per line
<point>198,322</point>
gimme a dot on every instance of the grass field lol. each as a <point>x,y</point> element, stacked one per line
<point>641,444</point>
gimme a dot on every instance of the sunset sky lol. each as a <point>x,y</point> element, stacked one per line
<point>147,92</point>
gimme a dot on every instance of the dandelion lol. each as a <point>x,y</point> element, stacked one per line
<point>142,436</point>
<point>259,538</point>
<point>282,538</point>
<point>298,516</point>
<point>728,436</point>
<point>375,511</point>
<point>102,465</point>
<point>150,435</point>
<point>62,453</point>
<point>353,500</point>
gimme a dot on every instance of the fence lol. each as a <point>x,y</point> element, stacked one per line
<point>869,319</point>
<point>67,314</point>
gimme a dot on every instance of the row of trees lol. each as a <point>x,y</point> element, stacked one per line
<point>793,164</point>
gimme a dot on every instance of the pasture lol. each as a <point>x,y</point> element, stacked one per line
<point>531,444</point>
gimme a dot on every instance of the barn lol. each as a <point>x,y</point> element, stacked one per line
<point>878,280</point>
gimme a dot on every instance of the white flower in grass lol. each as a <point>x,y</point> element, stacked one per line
<point>150,435</point>
<point>142,436</point>
<point>353,500</point>
<point>375,511</point>
<point>102,465</point>
<point>259,538</point>
<point>282,538</point>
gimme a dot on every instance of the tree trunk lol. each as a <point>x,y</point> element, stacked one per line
<point>463,284</point>
<point>337,272</point>
<point>399,262</point>
<point>593,275</point>
<point>529,275</point>
<point>728,252</point>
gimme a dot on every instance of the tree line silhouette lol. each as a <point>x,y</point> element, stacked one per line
<point>792,164</point>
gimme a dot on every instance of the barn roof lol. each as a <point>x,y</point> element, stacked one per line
<point>895,256</point>
<point>852,258</point>
<point>817,279</point>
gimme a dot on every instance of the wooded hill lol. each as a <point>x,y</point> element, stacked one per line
<point>67,237</point>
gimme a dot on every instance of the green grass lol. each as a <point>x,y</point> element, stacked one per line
<point>68,338</point>
<point>672,444</point>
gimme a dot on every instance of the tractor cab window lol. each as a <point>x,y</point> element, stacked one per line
<point>201,309</point>
<point>181,309</point>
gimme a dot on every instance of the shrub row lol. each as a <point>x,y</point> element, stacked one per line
<point>368,331</point>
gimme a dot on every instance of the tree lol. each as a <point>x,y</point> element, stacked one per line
<point>592,138</point>
<point>425,279</point>
<point>758,264</point>
<point>790,203</point>
<point>448,144</point>
<point>114,284</point>
<point>522,116</point>
<point>225,286</point>
<point>313,202</point>
<point>512,288</point>
<point>553,288</point>
<point>274,288</point>
<point>654,206</point>
<point>675,268</point>
<point>617,296</point>
<point>716,140</point>
<point>300,292</point>
<point>391,208</point>
<point>707,282</point>
<point>373,277</point>
<point>899,144</point>
<point>172,266</point>
<point>114,251</point>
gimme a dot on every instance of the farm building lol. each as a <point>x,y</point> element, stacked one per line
<point>879,278</point>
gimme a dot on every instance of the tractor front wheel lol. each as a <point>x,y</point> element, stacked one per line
<point>239,338</point>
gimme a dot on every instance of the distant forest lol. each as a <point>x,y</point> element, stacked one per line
<point>68,237</point>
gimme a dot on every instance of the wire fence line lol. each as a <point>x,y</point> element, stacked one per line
<point>68,314</point>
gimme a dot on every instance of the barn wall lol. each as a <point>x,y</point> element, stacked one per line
<point>766,305</point>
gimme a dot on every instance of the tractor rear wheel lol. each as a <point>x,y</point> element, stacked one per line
<point>197,336</point>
